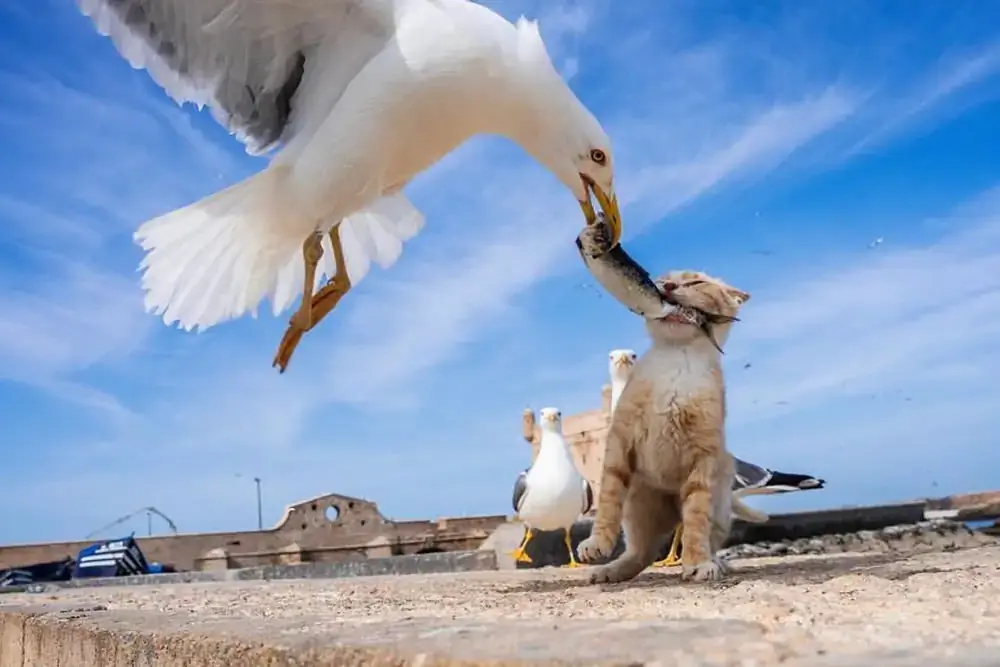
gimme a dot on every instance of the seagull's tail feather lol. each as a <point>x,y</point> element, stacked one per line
<point>218,258</point>
<point>743,511</point>
<point>375,234</point>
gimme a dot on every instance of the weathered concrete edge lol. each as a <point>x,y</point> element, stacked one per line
<point>437,563</point>
<point>41,637</point>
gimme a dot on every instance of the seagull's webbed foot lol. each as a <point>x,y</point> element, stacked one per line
<point>317,306</point>
<point>673,558</point>
<point>520,554</point>
<point>573,562</point>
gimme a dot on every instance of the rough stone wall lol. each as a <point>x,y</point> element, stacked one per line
<point>326,528</point>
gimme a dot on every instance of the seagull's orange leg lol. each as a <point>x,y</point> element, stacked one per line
<point>672,558</point>
<point>318,305</point>
<point>573,562</point>
<point>521,554</point>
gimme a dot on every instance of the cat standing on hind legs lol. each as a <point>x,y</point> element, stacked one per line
<point>666,458</point>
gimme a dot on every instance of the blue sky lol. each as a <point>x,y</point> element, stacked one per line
<point>769,143</point>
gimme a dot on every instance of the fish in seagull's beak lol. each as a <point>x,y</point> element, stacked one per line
<point>608,202</point>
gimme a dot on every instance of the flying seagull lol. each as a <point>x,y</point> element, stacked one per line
<point>552,493</point>
<point>749,479</point>
<point>358,96</point>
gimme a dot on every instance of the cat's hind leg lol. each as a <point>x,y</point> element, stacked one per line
<point>698,509</point>
<point>649,516</point>
<point>723,504</point>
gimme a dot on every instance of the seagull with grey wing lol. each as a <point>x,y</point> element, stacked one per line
<point>355,98</point>
<point>551,494</point>
<point>752,480</point>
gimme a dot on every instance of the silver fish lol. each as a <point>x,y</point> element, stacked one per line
<point>632,285</point>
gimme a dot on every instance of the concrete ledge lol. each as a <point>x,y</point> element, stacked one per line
<point>96,637</point>
<point>914,609</point>
<point>437,563</point>
<point>47,636</point>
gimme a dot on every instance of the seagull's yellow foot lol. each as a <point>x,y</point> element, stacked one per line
<point>318,305</point>
<point>672,558</point>
<point>572,557</point>
<point>520,554</point>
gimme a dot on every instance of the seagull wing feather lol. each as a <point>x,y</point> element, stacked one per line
<point>520,487</point>
<point>244,59</point>
<point>749,476</point>
<point>588,496</point>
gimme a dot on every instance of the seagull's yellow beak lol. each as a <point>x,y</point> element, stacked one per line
<point>609,206</point>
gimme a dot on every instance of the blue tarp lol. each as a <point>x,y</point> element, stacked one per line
<point>113,558</point>
<point>59,570</point>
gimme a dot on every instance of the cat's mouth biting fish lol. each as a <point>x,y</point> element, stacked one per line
<point>632,285</point>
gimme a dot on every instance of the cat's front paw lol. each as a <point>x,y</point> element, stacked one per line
<point>609,574</point>
<point>710,570</point>
<point>594,549</point>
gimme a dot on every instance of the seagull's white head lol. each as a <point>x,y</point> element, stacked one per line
<point>551,420</point>
<point>563,134</point>
<point>620,364</point>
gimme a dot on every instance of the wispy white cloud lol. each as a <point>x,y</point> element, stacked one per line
<point>939,95</point>
<point>62,318</point>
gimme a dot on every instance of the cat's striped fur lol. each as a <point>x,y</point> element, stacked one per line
<point>666,458</point>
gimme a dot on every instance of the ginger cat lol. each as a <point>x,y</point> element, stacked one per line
<point>666,458</point>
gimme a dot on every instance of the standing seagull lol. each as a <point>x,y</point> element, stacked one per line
<point>552,493</point>
<point>749,480</point>
<point>360,96</point>
<point>620,364</point>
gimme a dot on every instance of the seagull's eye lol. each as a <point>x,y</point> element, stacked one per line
<point>598,156</point>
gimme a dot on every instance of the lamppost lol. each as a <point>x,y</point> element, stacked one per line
<point>260,509</point>
<point>260,513</point>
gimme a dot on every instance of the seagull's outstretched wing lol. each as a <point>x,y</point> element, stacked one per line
<point>246,59</point>
<point>588,496</point>
<point>751,479</point>
<point>520,487</point>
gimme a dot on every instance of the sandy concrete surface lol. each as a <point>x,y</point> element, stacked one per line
<point>873,608</point>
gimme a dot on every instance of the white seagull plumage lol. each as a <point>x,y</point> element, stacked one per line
<point>359,96</point>
<point>620,365</point>
<point>551,494</point>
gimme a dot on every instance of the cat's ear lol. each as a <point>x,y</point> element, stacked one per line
<point>738,295</point>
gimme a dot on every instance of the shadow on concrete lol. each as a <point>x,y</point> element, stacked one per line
<point>791,573</point>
